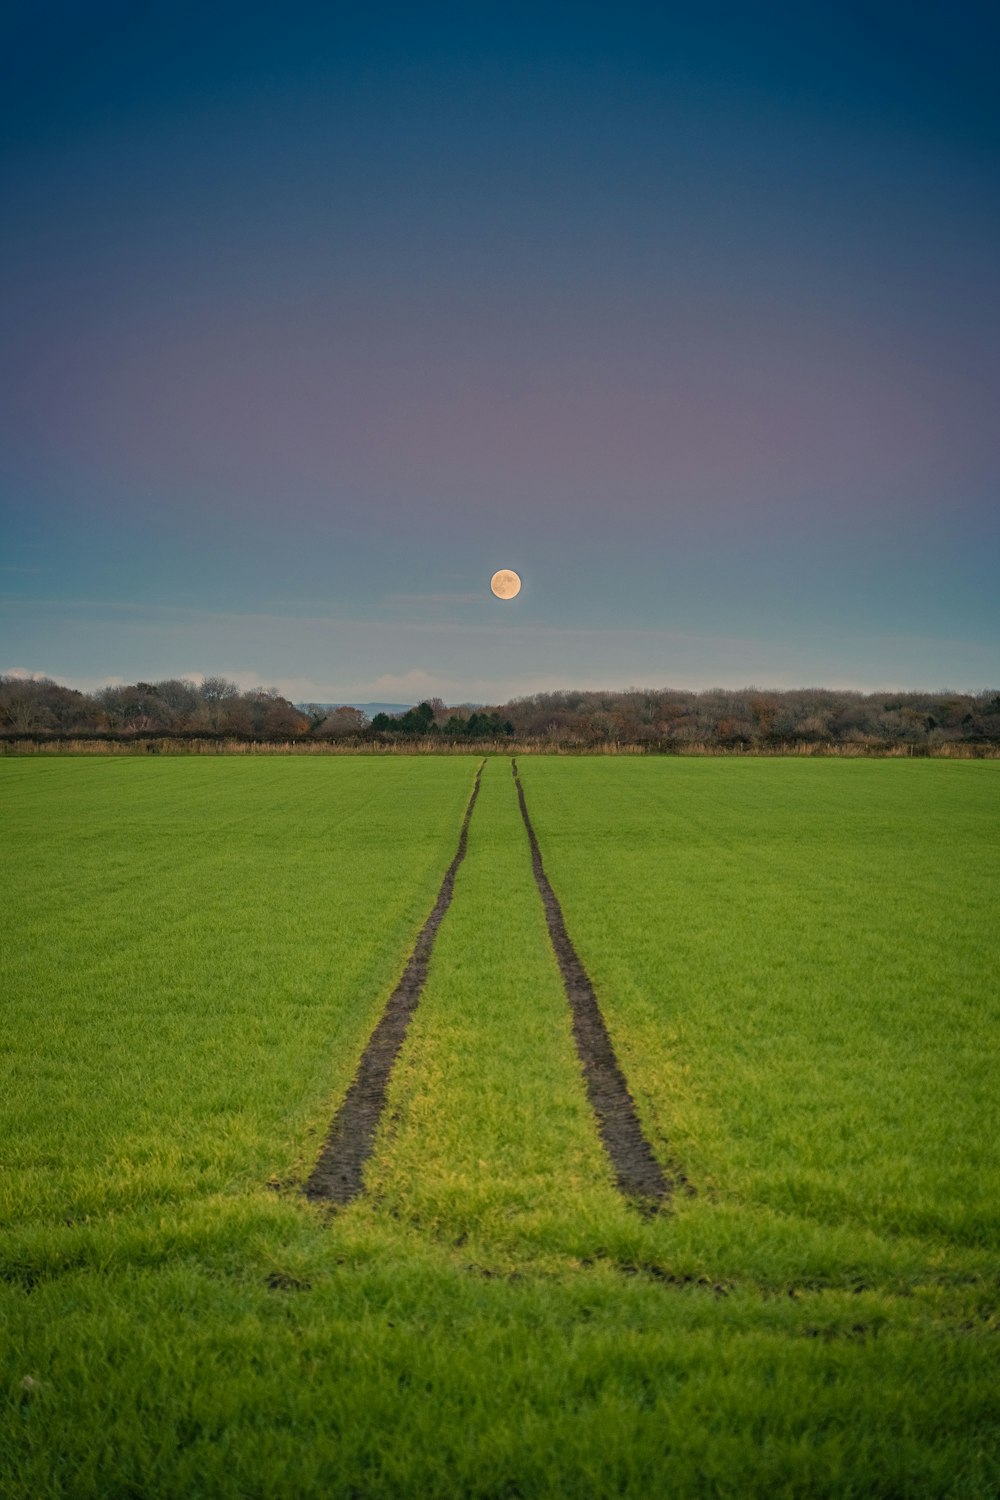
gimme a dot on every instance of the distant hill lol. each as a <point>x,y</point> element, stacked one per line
<point>371,709</point>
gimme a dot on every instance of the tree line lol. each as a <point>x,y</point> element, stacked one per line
<point>667,719</point>
<point>432,717</point>
<point>755,718</point>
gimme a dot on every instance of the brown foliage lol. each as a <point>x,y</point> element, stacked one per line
<point>803,720</point>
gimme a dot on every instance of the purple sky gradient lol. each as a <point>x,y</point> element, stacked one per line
<point>304,336</point>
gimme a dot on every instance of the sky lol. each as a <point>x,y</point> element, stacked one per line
<point>313,316</point>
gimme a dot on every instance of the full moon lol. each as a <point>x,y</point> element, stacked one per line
<point>505,584</point>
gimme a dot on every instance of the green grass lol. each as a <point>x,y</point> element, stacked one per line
<point>194,955</point>
<point>797,962</point>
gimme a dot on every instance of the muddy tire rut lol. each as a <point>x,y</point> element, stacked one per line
<point>339,1173</point>
<point>637,1171</point>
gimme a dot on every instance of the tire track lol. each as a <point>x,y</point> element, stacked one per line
<point>638,1173</point>
<point>338,1175</point>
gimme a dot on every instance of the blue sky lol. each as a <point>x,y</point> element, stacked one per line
<point>315,316</point>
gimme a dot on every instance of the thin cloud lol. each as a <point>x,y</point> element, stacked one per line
<point>466,598</point>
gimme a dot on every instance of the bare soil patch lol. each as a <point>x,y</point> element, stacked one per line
<point>637,1170</point>
<point>338,1175</point>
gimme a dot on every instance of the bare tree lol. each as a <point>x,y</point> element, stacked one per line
<point>344,723</point>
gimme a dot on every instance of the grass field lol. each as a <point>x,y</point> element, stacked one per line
<point>797,962</point>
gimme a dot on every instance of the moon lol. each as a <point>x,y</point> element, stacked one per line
<point>505,584</point>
